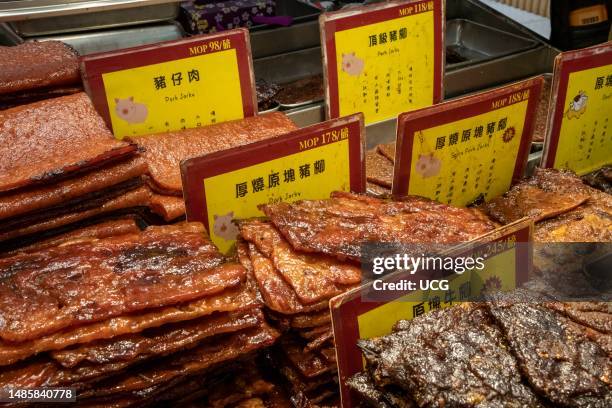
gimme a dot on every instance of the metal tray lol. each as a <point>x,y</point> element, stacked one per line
<point>477,42</point>
<point>93,17</point>
<point>114,39</point>
<point>300,12</point>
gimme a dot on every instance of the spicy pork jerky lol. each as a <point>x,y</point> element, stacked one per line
<point>379,170</point>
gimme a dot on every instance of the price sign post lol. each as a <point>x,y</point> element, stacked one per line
<point>383,59</point>
<point>467,149</point>
<point>508,263</point>
<point>579,135</point>
<point>173,85</point>
<point>308,163</point>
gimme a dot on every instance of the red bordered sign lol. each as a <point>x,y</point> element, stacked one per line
<point>308,163</point>
<point>173,85</point>
<point>354,318</point>
<point>470,148</point>
<point>383,59</point>
<point>580,118</point>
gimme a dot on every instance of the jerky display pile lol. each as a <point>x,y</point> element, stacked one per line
<point>163,153</point>
<point>62,169</point>
<point>517,350</point>
<point>132,319</point>
<point>34,71</point>
<point>563,207</point>
<point>309,251</point>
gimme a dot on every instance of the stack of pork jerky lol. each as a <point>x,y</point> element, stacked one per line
<point>33,71</point>
<point>519,350</point>
<point>309,251</point>
<point>61,169</point>
<point>136,319</point>
<point>379,169</point>
<point>163,153</point>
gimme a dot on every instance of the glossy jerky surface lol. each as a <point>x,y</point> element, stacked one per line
<point>168,207</point>
<point>340,225</point>
<point>164,151</point>
<point>559,357</point>
<point>46,140</point>
<point>378,169</point>
<point>36,64</point>
<point>139,197</point>
<point>233,299</point>
<point>451,357</point>
<point>39,197</point>
<point>51,290</point>
<point>312,277</point>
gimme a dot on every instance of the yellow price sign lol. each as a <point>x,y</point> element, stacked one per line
<point>467,149</point>
<point>580,122</point>
<point>382,60</point>
<point>308,163</point>
<point>174,85</point>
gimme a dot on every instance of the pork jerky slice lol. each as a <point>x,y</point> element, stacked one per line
<point>121,205</point>
<point>8,101</point>
<point>309,363</point>
<point>556,355</point>
<point>340,225</point>
<point>312,277</point>
<point>378,169</point>
<point>168,207</point>
<point>164,151</point>
<point>451,357</point>
<point>584,224</point>
<point>45,140</point>
<point>276,292</point>
<point>157,341</point>
<point>39,197</point>
<point>233,299</point>
<point>125,352</point>
<point>216,350</point>
<point>35,64</point>
<point>524,200</point>
<point>51,290</point>
<point>387,150</point>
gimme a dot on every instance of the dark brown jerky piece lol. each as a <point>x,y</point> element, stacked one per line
<point>367,390</point>
<point>309,363</point>
<point>450,357</point>
<point>54,289</point>
<point>74,138</point>
<point>340,225</point>
<point>556,355</point>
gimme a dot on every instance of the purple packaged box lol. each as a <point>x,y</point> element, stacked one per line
<point>199,17</point>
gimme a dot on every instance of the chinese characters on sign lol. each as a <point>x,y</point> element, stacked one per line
<point>579,136</point>
<point>385,60</point>
<point>274,179</point>
<point>473,157</point>
<point>175,85</point>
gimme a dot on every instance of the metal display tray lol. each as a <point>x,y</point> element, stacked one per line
<point>83,15</point>
<point>114,39</point>
<point>476,42</point>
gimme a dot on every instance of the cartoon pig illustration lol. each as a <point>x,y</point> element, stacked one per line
<point>351,64</point>
<point>428,165</point>
<point>224,227</point>
<point>577,106</point>
<point>130,111</point>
